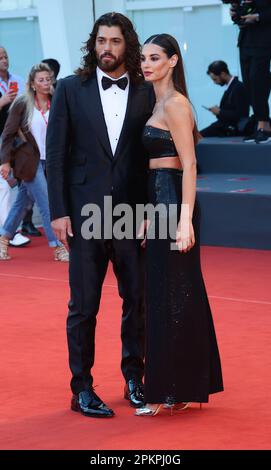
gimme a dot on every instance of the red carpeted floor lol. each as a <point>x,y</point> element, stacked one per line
<point>34,380</point>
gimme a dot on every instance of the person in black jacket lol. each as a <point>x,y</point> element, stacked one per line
<point>95,149</point>
<point>254,43</point>
<point>234,105</point>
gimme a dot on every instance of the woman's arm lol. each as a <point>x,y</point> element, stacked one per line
<point>180,121</point>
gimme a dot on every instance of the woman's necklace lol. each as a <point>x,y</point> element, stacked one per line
<point>42,112</point>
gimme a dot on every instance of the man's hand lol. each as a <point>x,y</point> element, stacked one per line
<point>252,18</point>
<point>8,98</point>
<point>62,227</point>
<point>215,110</point>
<point>4,170</point>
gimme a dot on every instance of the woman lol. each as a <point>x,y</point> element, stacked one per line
<point>29,114</point>
<point>182,358</point>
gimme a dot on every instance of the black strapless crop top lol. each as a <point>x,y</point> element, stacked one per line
<point>158,142</point>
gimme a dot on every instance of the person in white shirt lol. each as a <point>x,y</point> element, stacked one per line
<point>95,150</point>
<point>11,85</point>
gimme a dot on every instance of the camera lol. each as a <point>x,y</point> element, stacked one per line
<point>241,8</point>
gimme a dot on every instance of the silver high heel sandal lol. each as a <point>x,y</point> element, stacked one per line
<point>180,406</point>
<point>148,410</point>
<point>4,256</point>
<point>177,406</point>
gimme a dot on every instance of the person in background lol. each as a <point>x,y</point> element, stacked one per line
<point>11,86</point>
<point>29,113</point>
<point>254,44</point>
<point>55,68</point>
<point>28,227</point>
<point>233,111</point>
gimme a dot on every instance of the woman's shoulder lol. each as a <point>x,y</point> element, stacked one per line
<point>177,100</point>
<point>177,105</point>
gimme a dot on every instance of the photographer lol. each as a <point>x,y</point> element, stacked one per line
<point>254,43</point>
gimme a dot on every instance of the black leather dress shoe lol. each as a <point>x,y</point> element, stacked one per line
<point>89,404</point>
<point>134,392</point>
<point>30,229</point>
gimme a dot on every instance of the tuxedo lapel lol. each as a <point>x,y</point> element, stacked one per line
<point>124,135</point>
<point>94,110</point>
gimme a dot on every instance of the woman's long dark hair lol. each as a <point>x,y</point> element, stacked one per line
<point>132,51</point>
<point>170,46</point>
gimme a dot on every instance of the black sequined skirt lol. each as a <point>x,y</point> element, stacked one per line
<point>182,357</point>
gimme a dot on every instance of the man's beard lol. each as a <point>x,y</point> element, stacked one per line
<point>110,66</point>
<point>223,82</point>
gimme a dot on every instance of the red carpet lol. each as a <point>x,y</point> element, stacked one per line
<point>34,379</point>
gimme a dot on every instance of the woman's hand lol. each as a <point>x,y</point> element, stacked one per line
<point>5,170</point>
<point>185,237</point>
<point>143,229</point>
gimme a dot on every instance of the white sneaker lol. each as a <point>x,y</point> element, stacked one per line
<point>19,240</point>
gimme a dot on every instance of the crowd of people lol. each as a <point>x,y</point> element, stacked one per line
<point>24,111</point>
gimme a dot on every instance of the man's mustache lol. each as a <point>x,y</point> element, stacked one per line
<point>107,55</point>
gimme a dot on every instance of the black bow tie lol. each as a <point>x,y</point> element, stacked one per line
<point>108,82</point>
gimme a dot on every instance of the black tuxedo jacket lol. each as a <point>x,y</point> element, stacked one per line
<point>257,36</point>
<point>234,104</point>
<point>80,166</point>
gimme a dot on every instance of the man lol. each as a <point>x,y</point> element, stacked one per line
<point>254,44</point>
<point>234,106</point>
<point>55,68</point>
<point>8,93</point>
<point>94,150</point>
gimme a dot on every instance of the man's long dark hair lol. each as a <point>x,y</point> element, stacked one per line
<point>132,51</point>
<point>170,46</point>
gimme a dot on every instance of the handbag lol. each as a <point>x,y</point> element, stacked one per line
<point>21,154</point>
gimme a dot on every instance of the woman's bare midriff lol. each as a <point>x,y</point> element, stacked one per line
<point>165,162</point>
